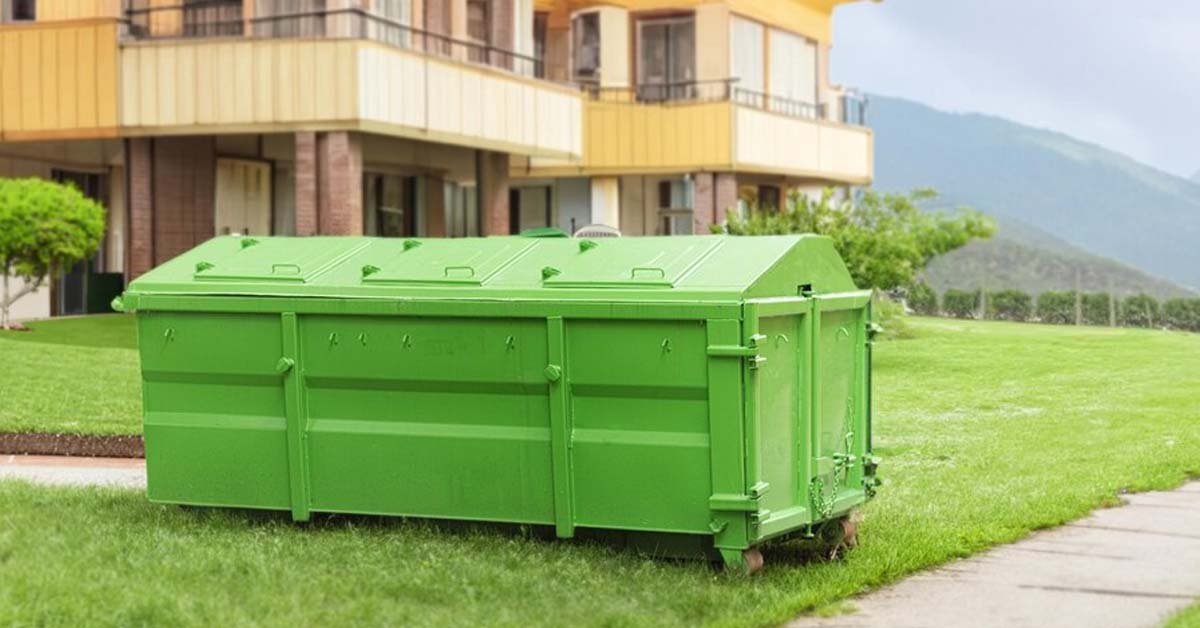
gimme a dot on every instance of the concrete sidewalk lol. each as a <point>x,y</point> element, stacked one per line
<point>73,471</point>
<point>1120,567</point>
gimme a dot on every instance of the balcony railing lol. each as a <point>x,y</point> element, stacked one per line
<point>851,111</point>
<point>223,18</point>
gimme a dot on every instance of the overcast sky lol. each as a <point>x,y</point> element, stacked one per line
<point>1119,73</point>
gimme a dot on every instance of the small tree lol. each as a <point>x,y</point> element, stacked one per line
<point>1183,314</point>
<point>1010,305</point>
<point>45,228</point>
<point>922,299</point>
<point>885,239</point>
<point>960,303</point>
<point>1140,310</point>
<point>1056,308</point>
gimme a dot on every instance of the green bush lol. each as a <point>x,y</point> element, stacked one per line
<point>1095,308</point>
<point>1182,314</point>
<point>922,299</point>
<point>1009,305</point>
<point>960,303</point>
<point>1140,310</point>
<point>1056,308</point>
<point>889,316</point>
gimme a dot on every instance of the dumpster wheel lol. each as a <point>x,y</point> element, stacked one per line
<point>746,562</point>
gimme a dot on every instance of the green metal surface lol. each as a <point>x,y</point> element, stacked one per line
<point>708,386</point>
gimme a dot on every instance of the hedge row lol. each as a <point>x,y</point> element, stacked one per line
<point>1059,308</point>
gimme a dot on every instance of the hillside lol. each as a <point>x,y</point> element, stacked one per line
<point>1095,199</point>
<point>1023,257</point>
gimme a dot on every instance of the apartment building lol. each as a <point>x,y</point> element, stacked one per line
<point>692,107</point>
<point>194,118</point>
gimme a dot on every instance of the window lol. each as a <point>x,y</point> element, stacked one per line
<point>585,42</point>
<point>793,73</point>
<point>768,197</point>
<point>539,43</point>
<point>212,18</point>
<point>290,18</point>
<point>390,205</point>
<point>479,29</point>
<point>20,10</point>
<point>746,60</point>
<point>676,198</point>
<point>392,22</point>
<point>666,68</point>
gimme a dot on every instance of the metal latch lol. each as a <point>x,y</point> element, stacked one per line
<point>749,351</point>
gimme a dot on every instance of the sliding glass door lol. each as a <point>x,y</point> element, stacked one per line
<point>666,59</point>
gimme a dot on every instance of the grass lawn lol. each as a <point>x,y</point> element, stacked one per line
<point>1187,618</point>
<point>71,376</point>
<point>987,430</point>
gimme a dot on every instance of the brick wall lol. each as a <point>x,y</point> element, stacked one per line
<point>140,222</point>
<point>184,190</point>
<point>305,198</point>
<point>493,189</point>
<point>715,193</point>
<point>339,183</point>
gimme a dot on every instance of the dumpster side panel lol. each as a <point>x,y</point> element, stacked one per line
<point>214,409</point>
<point>639,406</point>
<point>432,417</point>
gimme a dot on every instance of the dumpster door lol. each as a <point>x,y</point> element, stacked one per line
<point>838,403</point>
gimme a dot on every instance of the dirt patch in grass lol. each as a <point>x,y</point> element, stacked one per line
<point>72,445</point>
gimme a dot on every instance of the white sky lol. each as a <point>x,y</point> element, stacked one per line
<point>1124,74</point>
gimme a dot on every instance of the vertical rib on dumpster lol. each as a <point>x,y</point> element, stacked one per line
<point>726,434</point>
<point>293,390</point>
<point>560,429</point>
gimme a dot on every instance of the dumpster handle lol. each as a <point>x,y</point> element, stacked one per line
<point>644,270</point>
<point>470,270</point>
<point>285,269</point>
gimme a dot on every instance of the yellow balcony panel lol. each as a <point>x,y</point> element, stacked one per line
<point>669,138</point>
<point>183,86</point>
<point>58,80</point>
<point>802,147</point>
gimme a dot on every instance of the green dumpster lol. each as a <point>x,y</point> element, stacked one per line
<point>697,394</point>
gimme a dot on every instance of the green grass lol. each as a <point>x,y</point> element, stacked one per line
<point>988,431</point>
<point>1187,618</point>
<point>71,376</point>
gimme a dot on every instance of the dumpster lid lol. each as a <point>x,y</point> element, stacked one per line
<point>672,268</point>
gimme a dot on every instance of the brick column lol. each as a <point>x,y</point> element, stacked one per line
<point>339,184</point>
<point>306,183</point>
<point>435,207</point>
<point>492,189</point>
<point>139,198</point>
<point>715,194</point>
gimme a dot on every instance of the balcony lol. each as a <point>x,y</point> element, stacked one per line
<point>187,72</point>
<point>72,65</point>
<point>716,125</point>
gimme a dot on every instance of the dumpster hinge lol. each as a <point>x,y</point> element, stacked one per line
<point>738,502</point>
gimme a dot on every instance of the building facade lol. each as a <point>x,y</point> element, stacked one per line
<point>195,118</point>
<point>692,108</point>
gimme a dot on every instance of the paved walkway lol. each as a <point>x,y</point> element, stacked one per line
<point>1120,567</point>
<point>70,471</point>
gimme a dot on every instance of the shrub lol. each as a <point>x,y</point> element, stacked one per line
<point>885,239</point>
<point>960,303</point>
<point>1009,305</point>
<point>1056,308</point>
<point>1095,308</point>
<point>889,316</point>
<point>1140,310</point>
<point>922,299</point>
<point>1182,314</point>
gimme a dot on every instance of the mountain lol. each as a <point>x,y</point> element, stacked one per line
<point>1090,197</point>
<point>1196,176</point>
<point>1024,257</point>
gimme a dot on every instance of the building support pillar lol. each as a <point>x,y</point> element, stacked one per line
<point>305,180</point>
<point>492,185</point>
<point>139,201</point>
<point>339,183</point>
<point>715,194</point>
